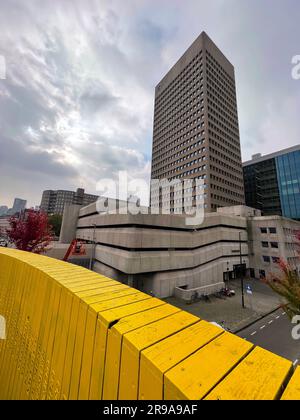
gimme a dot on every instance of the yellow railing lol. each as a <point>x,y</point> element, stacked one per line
<point>74,334</point>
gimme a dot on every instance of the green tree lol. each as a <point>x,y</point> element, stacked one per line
<point>55,221</point>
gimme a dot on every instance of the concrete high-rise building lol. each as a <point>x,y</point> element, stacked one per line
<point>3,210</point>
<point>53,201</point>
<point>18,206</point>
<point>272,183</point>
<point>196,130</point>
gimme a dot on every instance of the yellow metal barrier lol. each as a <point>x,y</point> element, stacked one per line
<point>74,334</point>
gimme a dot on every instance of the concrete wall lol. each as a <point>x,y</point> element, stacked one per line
<point>243,211</point>
<point>69,223</point>
<point>157,253</point>
<point>206,279</point>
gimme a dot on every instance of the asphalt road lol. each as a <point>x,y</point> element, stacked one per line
<point>274,333</point>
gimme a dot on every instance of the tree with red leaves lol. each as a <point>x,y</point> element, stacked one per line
<point>30,231</point>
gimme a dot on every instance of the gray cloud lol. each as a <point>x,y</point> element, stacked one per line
<point>77,104</point>
<point>26,158</point>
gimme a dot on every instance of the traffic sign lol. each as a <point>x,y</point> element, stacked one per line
<point>249,289</point>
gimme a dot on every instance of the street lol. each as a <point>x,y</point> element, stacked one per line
<point>274,333</point>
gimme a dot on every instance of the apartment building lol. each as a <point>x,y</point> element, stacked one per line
<point>54,201</point>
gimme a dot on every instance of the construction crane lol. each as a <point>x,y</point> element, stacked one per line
<point>77,247</point>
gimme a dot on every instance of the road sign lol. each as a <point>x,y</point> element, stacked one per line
<point>249,289</point>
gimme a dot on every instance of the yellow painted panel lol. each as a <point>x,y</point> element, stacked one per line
<point>158,359</point>
<point>119,301</point>
<point>114,344</point>
<point>98,298</point>
<point>79,278</point>
<point>87,355</point>
<point>292,391</point>
<point>66,277</point>
<point>193,378</point>
<point>59,347</point>
<point>75,334</point>
<point>88,285</point>
<point>25,336</point>
<point>70,349</point>
<point>107,289</point>
<point>40,362</point>
<point>15,299</point>
<point>136,341</point>
<point>111,315</point>
<point>5,347</point>
<point>34,319</point>
<point>96,379</point>
<point>10,347</point>
<point>78,349</point>
<point>50,342</point>
<point>259,376</point>
<point>105,320</point>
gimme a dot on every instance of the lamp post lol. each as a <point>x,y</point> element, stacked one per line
<point>241,270</point>
<point>94,248</point>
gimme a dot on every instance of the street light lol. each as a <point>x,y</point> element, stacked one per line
<point>93,249</point>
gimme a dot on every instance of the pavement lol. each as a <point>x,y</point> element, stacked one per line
<point>274,333</point>
<point>229,312</point>
<point>260,322</point>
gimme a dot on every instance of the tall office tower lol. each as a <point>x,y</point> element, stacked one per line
<point>196,131</point>
<point>272,183</point>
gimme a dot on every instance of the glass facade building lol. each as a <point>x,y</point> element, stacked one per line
<point>288,174</point>
<point>272,183</point>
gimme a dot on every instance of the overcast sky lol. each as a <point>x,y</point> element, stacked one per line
<point>77,102</point>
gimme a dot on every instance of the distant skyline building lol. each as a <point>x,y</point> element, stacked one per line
<point>18,206</point>
<point>3,210</point>
<point>54,201</point>
<point>272,183</point>
<point>196,129</point>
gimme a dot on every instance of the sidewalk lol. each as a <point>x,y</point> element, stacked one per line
<point>229,312</point>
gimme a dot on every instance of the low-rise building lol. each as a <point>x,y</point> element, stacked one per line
<point>271,239</point>
<point>161,255</point>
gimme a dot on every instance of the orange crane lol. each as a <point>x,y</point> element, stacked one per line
<point>76,247</point>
